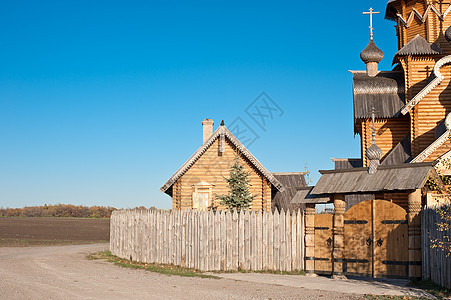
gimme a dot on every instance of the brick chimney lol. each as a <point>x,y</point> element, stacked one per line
<point>207,126</point>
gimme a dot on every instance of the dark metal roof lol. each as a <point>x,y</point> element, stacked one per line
<point>387,178</point>
<point>399,154</point>
<point>419,46</point>
<point>304,196</point>
<point>385,93</point>
<point>292,181</point>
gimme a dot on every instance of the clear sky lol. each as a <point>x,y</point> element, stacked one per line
<point>102,101</point>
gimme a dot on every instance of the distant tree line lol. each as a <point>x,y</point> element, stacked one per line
<point>59,210</point>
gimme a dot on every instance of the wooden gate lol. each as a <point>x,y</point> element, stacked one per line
<point>323,243</point>
<point>376,240</point>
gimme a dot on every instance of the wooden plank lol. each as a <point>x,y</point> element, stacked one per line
<point>189,239</point>
<point>288,239</point>
<point>235,245</point>
<point>258,238</point>
<point>271,241</point>
<point>223,241</point>
<point>265,240</point>
<point>229,240</point>
<point>283,243</point>
<point>211,240</point>
<point>253,238</point>
<point>247,242</point>
<point>294,252</point>
<point>241,259</point>
<point>301,239</point>
<point>277,241</point>
<point>217,253</point>
<point>202,238</point>
<point>158,237</point>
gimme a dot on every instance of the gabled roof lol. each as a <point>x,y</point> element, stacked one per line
<point>399,154</point>
<point>304,195</point>
<point>222,130</point>
<point>385,93</point>
<point>419,46</point>
<point>292,181</point>
<point>387,178</point>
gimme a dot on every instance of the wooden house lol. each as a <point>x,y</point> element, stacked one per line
<point>202,177</point>
<point>403,118</point>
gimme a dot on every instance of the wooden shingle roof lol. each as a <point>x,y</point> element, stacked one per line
<point>304,196</point>
<point>385,93</point>
<point>292,181</point>
<point>216,135</point>
<point>419,46</point>
<point>401,153</point>
<point>387,178</point>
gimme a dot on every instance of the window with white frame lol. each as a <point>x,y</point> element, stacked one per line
<point>202,195</point>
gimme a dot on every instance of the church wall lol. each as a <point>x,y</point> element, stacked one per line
<point>389,132</point>
<point>430,111</point>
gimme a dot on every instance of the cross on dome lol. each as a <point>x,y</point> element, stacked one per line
<point>371,12</point>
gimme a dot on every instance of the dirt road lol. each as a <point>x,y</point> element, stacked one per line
<point>63,272</point>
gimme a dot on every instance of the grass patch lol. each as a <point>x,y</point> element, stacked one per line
<point>28,242</point>
<point>173,270</point>
<point>432,288</point>
<point>387,297</point>
<point>157,268</point>
<point>426,285</point>
<point>301,272</point>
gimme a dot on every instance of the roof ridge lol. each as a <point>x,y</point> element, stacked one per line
<point>418,45</point>
<point>381,167</point>
<point>202,149</point>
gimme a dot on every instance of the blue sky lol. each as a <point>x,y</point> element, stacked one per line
<point>102,101</point>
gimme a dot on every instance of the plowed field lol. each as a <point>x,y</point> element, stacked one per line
<point>16,232</point>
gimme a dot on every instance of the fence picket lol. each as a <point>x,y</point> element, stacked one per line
<point>211,241</point>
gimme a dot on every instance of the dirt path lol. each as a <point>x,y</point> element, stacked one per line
<point>63,272</point>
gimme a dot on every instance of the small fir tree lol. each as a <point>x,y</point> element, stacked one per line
<point>239,196</point>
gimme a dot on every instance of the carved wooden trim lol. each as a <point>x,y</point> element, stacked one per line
<point>430,86</point>
<point>222,130</point>
<point>415,13</point>
<point>432,147</point>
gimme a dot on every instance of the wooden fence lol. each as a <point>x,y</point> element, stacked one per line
<point>210,241</point>
<point>436,266</point>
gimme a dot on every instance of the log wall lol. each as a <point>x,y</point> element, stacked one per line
<point>210,241</point>
<point>213,167</point>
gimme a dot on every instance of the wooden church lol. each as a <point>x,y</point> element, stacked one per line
<point>202,177</point>
<point>403,119</point>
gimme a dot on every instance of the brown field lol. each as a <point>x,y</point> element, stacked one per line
<point>20,232</point>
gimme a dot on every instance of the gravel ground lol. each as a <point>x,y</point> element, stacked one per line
<point>63,272</point>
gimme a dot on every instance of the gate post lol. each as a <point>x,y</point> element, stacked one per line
<point>338,252</point>
<point>414,223</point>
<point>310,239</point>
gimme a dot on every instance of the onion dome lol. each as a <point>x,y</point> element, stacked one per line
<point>374,152</point>
<point>448,34</point>
<point>371,53</point>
